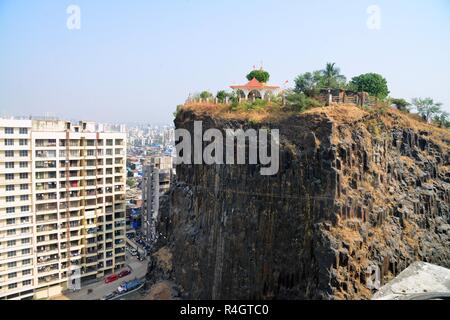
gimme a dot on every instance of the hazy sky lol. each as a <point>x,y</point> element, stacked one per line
<point>136,60</point>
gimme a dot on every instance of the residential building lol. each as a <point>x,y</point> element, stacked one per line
<point>62,205</point>
<point>156,181</point>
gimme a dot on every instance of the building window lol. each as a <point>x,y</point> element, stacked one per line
<point>12,264</point>
<point>11,254</point>
<point>26,282</point>
<point>9,153</point>
<point>26,251</point>
<point>12,286</point>
<point>12,275</point>
<point>26,241</point>
<point>23,142</point>
<point>10,221</point>
<point>23,187</point>
<point>25,230</point>
<point>9,165</point>
<point>24,164</point>
<point>10,187</point>
<point>10,210</point>
<point>11,232</point>
<point>24,175</point>
<point>25,209</point>
<point>9,176</point>
<point>11,243</point>
<point>23,130</point>
<point>9,142</point>
<point>26,262</point>
<point>24,220</point>
<point>23,153</point>
<point>10,199</point>
<point>24,197</point>
<point>9,130</point>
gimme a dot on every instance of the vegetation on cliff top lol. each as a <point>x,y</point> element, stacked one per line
<point>308,86</point>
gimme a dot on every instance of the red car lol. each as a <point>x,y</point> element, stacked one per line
<point>111,278</point>
<point>124,273</point>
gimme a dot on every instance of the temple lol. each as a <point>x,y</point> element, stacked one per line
<point>255,90</point>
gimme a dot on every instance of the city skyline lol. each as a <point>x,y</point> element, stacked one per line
<point>147,58</point>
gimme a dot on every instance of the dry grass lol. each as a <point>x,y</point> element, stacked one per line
<point>339,113</point>
<point>222,111</point>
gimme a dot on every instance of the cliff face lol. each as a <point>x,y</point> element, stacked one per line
<point>356,193</point>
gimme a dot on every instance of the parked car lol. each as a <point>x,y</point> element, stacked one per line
<point>111,278</point>
<point>124,273</point>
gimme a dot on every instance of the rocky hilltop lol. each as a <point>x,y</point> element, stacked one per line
<point>358,193</point>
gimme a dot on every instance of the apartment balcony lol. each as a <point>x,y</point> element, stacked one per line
<point>46,186</point>
<point>48,241</point>
<point>72,184</point>
<point>91,260</point>
<point>45,165</point>
<point>42,198</point>
<point>46,208</point>
<point>120,258</point>
<point>47,228</point>
<point>45,143</point>
<point>119,251</point>
<point>48,279</point>
<point>45,252</point>
<point>45,219</point>
<point>48,269</point>
<point>45,154</point>
<point>91,194</point>
<point>91,270</point>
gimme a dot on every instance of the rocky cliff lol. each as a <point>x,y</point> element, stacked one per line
<point>358,193</point>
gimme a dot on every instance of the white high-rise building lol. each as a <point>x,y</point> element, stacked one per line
<point>62,205</point>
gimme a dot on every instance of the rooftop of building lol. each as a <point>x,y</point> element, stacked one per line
<point>52,124</point>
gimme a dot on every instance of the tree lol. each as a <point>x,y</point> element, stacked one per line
<point>308,83</point>
<point>260,75</point>
<point>332,77</point>
<point>131,182</point>
<point>206,95</point>
<point>222,95</point>
<point>427,108</point>
<point>442,120</point>
<point>372,83</point>
<point>401,104</point>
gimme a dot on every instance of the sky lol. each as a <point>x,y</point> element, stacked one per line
<point>135,61</point>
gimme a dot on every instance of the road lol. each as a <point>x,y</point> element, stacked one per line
<point>101,289</point>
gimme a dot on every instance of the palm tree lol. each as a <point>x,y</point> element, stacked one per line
<point>332,76</point>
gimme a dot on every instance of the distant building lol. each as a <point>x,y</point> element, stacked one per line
<point>156,181</point>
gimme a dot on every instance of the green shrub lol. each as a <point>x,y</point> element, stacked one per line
<point>300,102</point>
